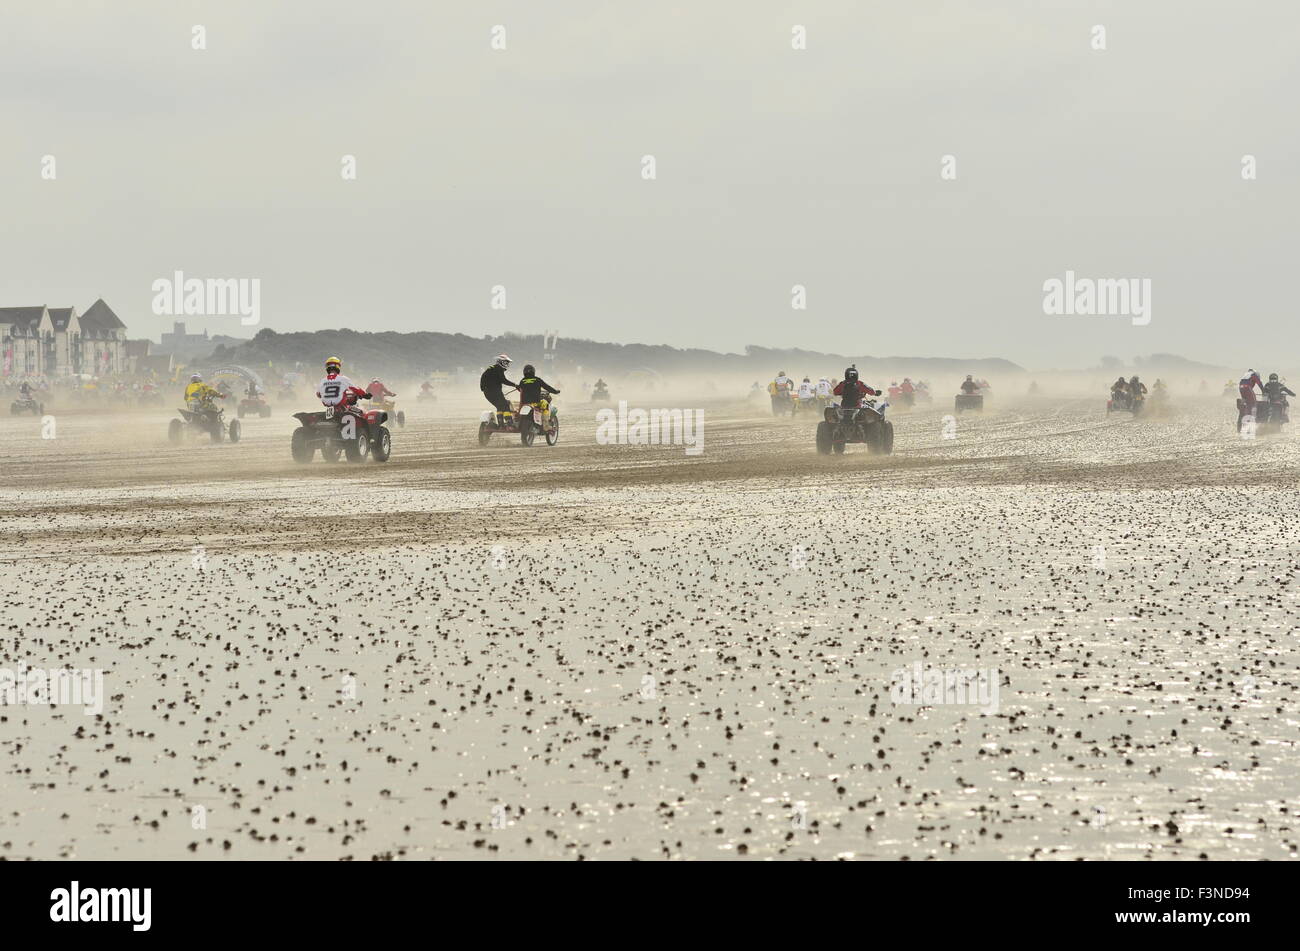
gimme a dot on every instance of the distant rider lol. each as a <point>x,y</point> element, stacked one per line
<point>970,387</point>
<point>852,391</point>
<point>490,383</point>
<point>806,390</point>
<point>378,391</point>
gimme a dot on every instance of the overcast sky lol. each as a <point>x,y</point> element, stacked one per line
<point>775,167</point>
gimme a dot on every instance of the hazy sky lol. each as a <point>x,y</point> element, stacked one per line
<point>775,167</point>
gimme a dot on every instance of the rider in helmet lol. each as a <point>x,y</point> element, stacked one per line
<point>378,391</point>
<point>1136,388</point>
<point>1275,389</point>
<point>200,396</point>
<point>851,390</point>
<point>531,387</point>
<point>969,386</point>
<point>490,383</point>
<point>1246,387</point>
<point>336,389</point>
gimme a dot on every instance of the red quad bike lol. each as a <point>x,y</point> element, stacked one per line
<point>1270,414</point>
<point>342,430</point>
<point>254,404</point>
<point>865,424</point>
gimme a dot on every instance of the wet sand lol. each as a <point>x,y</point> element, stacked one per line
<point>611,652</point>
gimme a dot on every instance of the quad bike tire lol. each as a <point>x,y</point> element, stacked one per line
<point>216,432</point>
<point>886,438</point>
<point>331,453</point>
<point>382,446</point>
<point>824,438</point>
<point>301,447</point>
<point>528,433</point>
<point>175,431</point>
<point>553,434</point>
<point>484,434</point>
<point>357,448</point>
<point>401,418</point>
<point>235,430</point>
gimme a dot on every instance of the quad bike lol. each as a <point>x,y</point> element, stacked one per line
<point>26,405</point>
<point>1125,403</point>
<point>426,396</point>
<point>923,395</point>
<point>864,424</point>
<point>342,430</point>
<point>286,394</point>
<point>254,404</point>
<point>527,420</point>
<point>800,406</point>
<point>1269,414</point>
<point>600,393</point>
<point>969,402</point>
<point>906,399</point>
<point>782,403</point>
<point>389,406</point>
<point>203,421</point>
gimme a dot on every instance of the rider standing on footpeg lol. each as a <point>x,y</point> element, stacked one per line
<point>490,383</point>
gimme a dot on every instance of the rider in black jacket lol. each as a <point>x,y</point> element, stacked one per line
<point>490,383</point>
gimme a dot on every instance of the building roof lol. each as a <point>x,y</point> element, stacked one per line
<point>101,316</point>
<point>61,317</point>
<point>21,315</point>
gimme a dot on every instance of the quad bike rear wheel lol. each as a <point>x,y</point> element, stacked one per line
<point>235,430</point>
<point>401,417</point>
<point>382,447</point>
<point>886,443</point>
<point>484,434</point>
<point>330,453</point>
<point>301,447</point>
<point>824,438</point>
<point>216,432</point>
<point>175,430</point>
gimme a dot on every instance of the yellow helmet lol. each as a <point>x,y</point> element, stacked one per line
<point>334,362</point>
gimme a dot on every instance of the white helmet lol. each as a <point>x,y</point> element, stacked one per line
<point>503,360</point>
<point>195,378</point>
